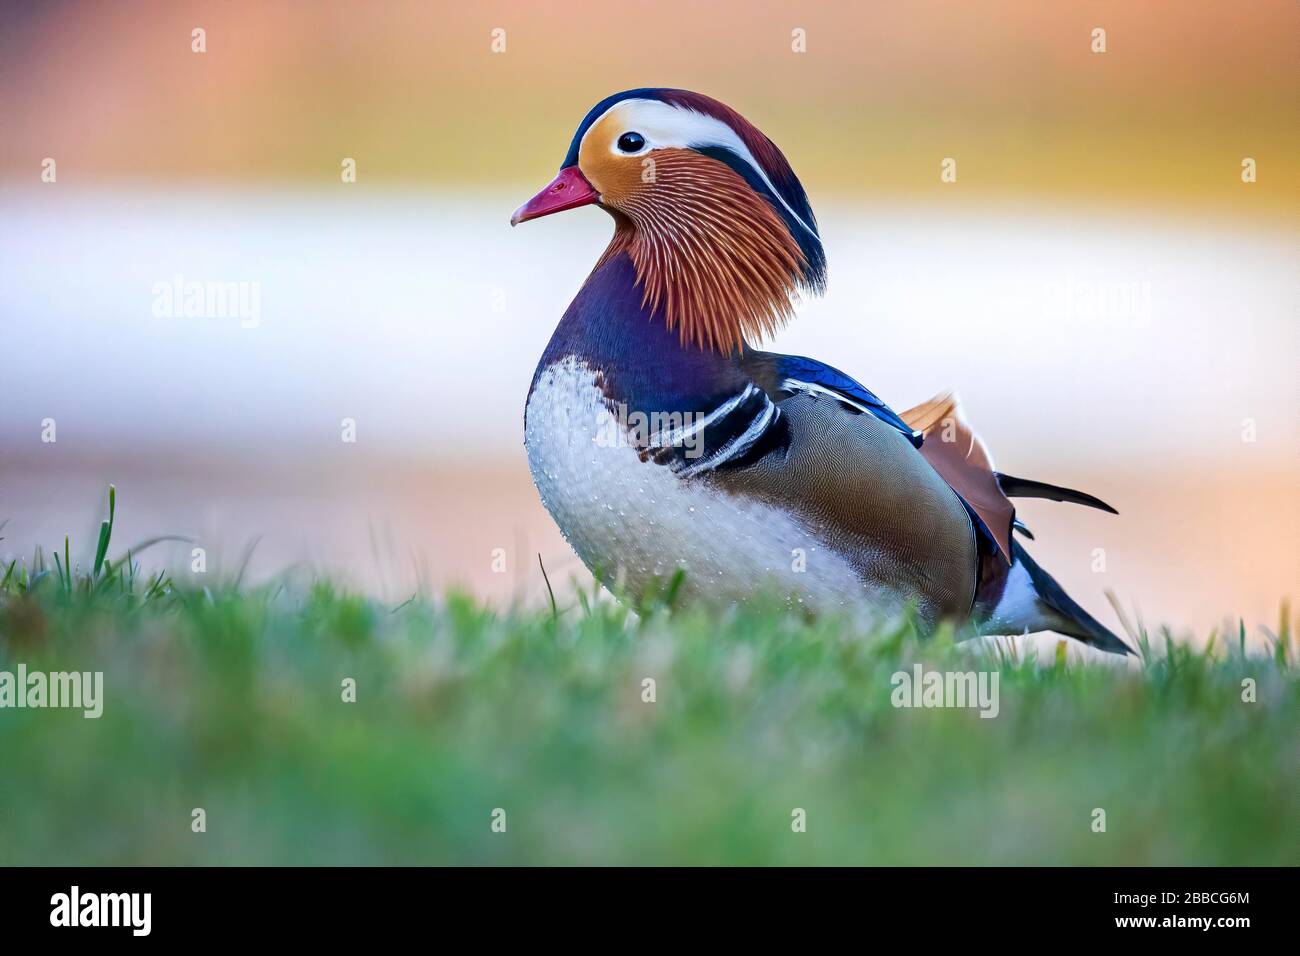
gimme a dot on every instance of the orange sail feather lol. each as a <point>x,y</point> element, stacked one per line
<point>959,456</point>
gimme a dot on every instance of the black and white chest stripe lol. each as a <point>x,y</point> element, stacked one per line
<point>738,432</point>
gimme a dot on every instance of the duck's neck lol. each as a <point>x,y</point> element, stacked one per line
<point>641,361</point>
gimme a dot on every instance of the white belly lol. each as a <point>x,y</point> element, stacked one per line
<point>632,521</point>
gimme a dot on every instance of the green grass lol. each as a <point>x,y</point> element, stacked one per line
<point>229,698</point>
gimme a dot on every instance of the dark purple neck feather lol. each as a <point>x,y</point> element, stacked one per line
<point>643,364</point>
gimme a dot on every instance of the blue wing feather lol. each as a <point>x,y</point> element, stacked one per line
<point>819,373</point>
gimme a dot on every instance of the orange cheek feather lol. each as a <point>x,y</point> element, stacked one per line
<point>710,254</point>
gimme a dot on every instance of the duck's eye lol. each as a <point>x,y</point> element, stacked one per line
<point>631,142</point>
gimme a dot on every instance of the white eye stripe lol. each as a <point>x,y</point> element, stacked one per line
<point>665,126</point>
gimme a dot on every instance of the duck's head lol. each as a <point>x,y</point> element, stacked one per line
<point>715,222</point>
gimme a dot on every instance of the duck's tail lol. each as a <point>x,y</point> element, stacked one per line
<point>1030,599</point>
<point>1033,601</point>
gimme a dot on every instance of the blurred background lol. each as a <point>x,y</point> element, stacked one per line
<point>1116,306</point>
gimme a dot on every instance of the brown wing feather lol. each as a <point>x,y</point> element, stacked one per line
<point>925,416</point>
<point>954,450</point>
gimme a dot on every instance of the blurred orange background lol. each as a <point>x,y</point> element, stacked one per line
<point>414,91</point>
<point>1116,305</point>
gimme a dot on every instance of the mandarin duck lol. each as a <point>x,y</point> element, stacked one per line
<point>660,439</point>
